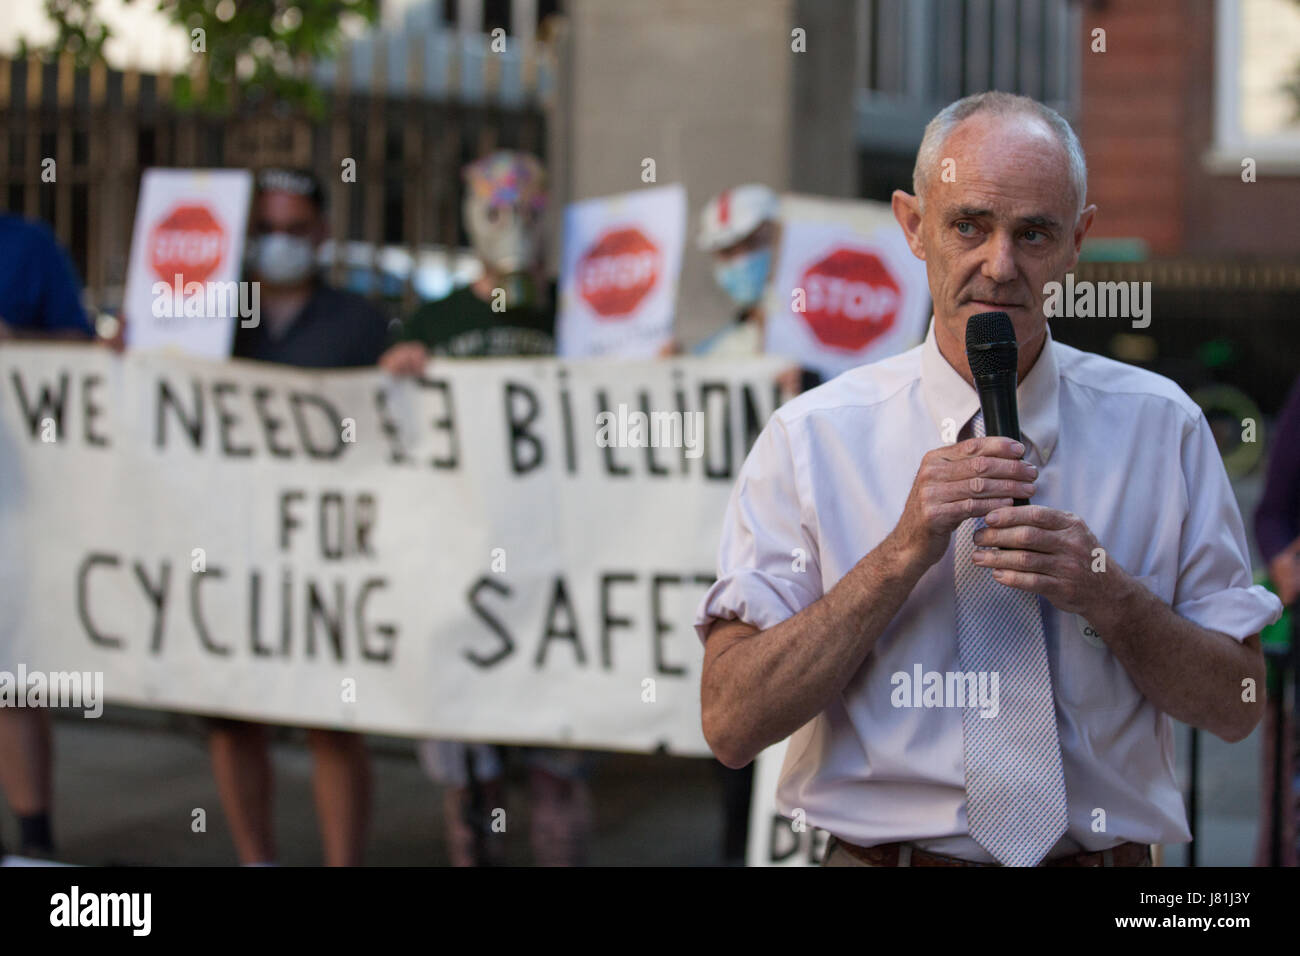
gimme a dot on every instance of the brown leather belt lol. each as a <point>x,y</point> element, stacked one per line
<point>889,854</point>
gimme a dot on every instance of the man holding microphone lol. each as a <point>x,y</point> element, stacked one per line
<point>872,536</point>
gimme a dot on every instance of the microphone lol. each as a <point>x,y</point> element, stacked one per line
<point>991,352</point>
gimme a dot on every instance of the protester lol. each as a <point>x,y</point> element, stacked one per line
<point>740,229</point>
<point>1277,530</point>
<point>303,322</point>
<point>917,591</point>
<point>40,298</point>
<point>508,311</point>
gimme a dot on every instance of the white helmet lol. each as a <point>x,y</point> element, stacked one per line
<point>733,214</point>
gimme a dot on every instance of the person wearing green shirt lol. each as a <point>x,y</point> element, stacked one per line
<point>508,311</point>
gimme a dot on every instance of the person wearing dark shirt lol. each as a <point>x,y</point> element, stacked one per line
<point>333,328</point>
<point>40,298</point>
<point>302,322</point>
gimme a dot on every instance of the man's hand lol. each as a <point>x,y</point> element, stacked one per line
<point>1048,552</point>
<point>957,482</point>
<point>405,358</point>
<point>1284,571</point>
<point>110,332</point>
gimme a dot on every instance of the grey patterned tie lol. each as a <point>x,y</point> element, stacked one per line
<point>1015,788</point>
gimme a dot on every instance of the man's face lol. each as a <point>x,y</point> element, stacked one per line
<point>1000,230</point>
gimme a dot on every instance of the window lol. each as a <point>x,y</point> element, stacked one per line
<point>1257,85</point>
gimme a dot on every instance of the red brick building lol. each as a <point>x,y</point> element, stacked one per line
<point>1162,165</point>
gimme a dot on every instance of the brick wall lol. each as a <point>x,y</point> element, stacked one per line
<point>1147,120</point>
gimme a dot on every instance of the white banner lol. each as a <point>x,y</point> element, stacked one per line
<point>619,273</point>
<point>846,289</point>
<point>187,245</point>
<point>463,556</point>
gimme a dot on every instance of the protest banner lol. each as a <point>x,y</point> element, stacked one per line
<point>182,282</point>
<point>846,289</point>
<point>619,272</point>
<point>500,550</point>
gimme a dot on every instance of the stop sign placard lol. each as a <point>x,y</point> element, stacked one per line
<point>618,271</point>
<point>189,241</point>
<point>851,298</point>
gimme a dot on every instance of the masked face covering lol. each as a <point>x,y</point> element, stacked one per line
<point>282,259</point>
<point>504,202</point>
<point>744,277</point>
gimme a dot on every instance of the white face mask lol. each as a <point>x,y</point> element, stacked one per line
<point>281,258</point>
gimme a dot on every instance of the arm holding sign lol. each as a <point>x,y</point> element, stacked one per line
<point>404,358</point>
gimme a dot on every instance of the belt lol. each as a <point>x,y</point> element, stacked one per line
<point>905,854</point>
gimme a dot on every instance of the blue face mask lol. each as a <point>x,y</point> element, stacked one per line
<point>744,277</point>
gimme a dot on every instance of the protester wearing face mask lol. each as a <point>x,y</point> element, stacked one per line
<point>304,322</point>
<point>739,229</point>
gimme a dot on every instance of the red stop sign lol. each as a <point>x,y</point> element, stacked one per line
<point>850,299</point>
<point>188,241</point>
<point>618,272</point>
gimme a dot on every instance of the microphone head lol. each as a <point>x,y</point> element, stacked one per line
<point>991,344</point>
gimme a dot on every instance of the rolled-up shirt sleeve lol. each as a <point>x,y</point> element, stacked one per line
<point>768,568</point>
<point>1215,588</point>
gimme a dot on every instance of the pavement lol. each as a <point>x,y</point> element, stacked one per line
<point>128,786</point>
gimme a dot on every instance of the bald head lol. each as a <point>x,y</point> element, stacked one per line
<point>1002,184</point>
<point>1001,112</point>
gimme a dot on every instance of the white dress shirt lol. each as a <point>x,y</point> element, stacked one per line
<point>1124,449</point>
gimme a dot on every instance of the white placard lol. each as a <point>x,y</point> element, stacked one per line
<point>846,289</point>
<point>187,245</point>
<point>619,273</point>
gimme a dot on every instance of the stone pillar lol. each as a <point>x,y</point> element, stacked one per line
<point>703,89</point>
